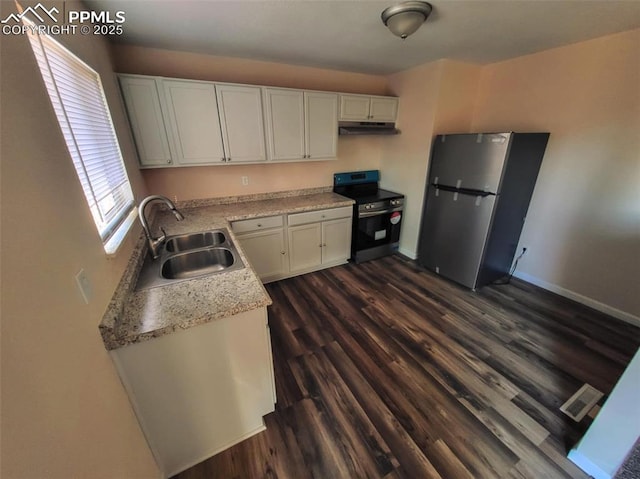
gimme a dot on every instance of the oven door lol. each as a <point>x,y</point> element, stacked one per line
<point>377,229</point>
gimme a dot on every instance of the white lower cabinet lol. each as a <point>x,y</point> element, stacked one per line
<point>336,241</point>
<point>306,242</point>
<point>199,391</point>
<point>266,251</point>
<point>305,247</point>
<point>264,243</point>
<point>319,239</point>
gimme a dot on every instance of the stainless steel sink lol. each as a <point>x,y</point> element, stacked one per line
<point>197,263</point>
<point>184,257</point>
<point>188,242</point>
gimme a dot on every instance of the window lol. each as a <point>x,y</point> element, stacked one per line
<point>78,99</point>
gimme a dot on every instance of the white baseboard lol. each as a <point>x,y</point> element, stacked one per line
<point>408,254</point>
<point>592,303</point>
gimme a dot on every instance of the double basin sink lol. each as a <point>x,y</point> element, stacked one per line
<point>190,256</point>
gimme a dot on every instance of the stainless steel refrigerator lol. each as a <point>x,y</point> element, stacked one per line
<point>478,192</point>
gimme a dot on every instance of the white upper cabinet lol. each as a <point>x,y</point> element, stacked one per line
<point>192,111</point>
<point>321,124</point>
<point>368,108</point>
<point>145,117</point>
<point>383,108</point>
<point>354,107</point>
<point>178,122</point>
<point>242,123</point>
<point>284,112</point>
<point>301,125</point>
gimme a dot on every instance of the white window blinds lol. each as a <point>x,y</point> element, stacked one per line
<point>77,96</point>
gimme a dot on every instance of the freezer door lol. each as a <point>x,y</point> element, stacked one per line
<point>454,231</point>
<point>473,161</point>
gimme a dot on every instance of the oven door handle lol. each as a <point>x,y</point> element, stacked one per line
<point>368,214</point>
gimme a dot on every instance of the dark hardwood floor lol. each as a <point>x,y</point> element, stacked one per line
<point>384,370</point>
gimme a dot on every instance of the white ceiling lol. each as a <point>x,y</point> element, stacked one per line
<point>349,35</point>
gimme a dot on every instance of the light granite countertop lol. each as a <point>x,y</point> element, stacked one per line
<point>136,316</point>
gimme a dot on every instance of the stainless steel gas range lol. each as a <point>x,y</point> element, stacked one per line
<point>377,214</point>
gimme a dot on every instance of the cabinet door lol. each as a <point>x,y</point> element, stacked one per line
<point>266,252</point>
<point>354,107</point>
<point>285,124</point>
<point>242,123</point>
<point>336,240</point>
<point>145,116</point>
<point>305,247</point>
<point>321,124</point>
<point>383,108</point>
<point>193,115</point>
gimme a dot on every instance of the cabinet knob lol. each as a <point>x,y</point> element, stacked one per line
<point>228,159</point>
<point>320,246</point>
<point>168,162</point>
<point>282,252</point>
<point>259,225</point>
<point>223,159</point>
<point>324,245</point>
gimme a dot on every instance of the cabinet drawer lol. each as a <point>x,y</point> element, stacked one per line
<point>320,215</point>
<point>255,224</point>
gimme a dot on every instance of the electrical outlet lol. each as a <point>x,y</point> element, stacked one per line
<point>175,198</point>
<point>84,285</point>
<point>245,180</point>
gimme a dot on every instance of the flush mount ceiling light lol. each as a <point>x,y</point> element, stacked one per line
<point>406,17</point>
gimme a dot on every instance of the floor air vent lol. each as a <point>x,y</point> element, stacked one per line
<point>581,402</point>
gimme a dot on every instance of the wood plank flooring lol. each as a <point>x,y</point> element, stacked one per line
<point>384,370</point>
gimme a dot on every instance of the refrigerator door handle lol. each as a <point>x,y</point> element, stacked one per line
<point>464,191</point>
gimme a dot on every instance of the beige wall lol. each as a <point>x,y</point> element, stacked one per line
<point>214,181</point>
<point>434,98</point>
<point>405,156</point>
<point>583,227</point>
<point>64,411</point>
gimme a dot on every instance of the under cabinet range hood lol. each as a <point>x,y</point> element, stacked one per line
<point>366,128</point>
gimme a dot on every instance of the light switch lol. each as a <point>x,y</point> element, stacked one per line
<point>84,285</point>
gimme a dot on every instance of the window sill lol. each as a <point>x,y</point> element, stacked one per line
<point>112,246</point>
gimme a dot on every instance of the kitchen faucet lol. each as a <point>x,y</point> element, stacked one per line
<point>154,243</point>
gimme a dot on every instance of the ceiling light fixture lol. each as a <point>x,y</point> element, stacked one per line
<point>406,17</point>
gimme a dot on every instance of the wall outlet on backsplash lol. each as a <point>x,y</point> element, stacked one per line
<point>245,180</point>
